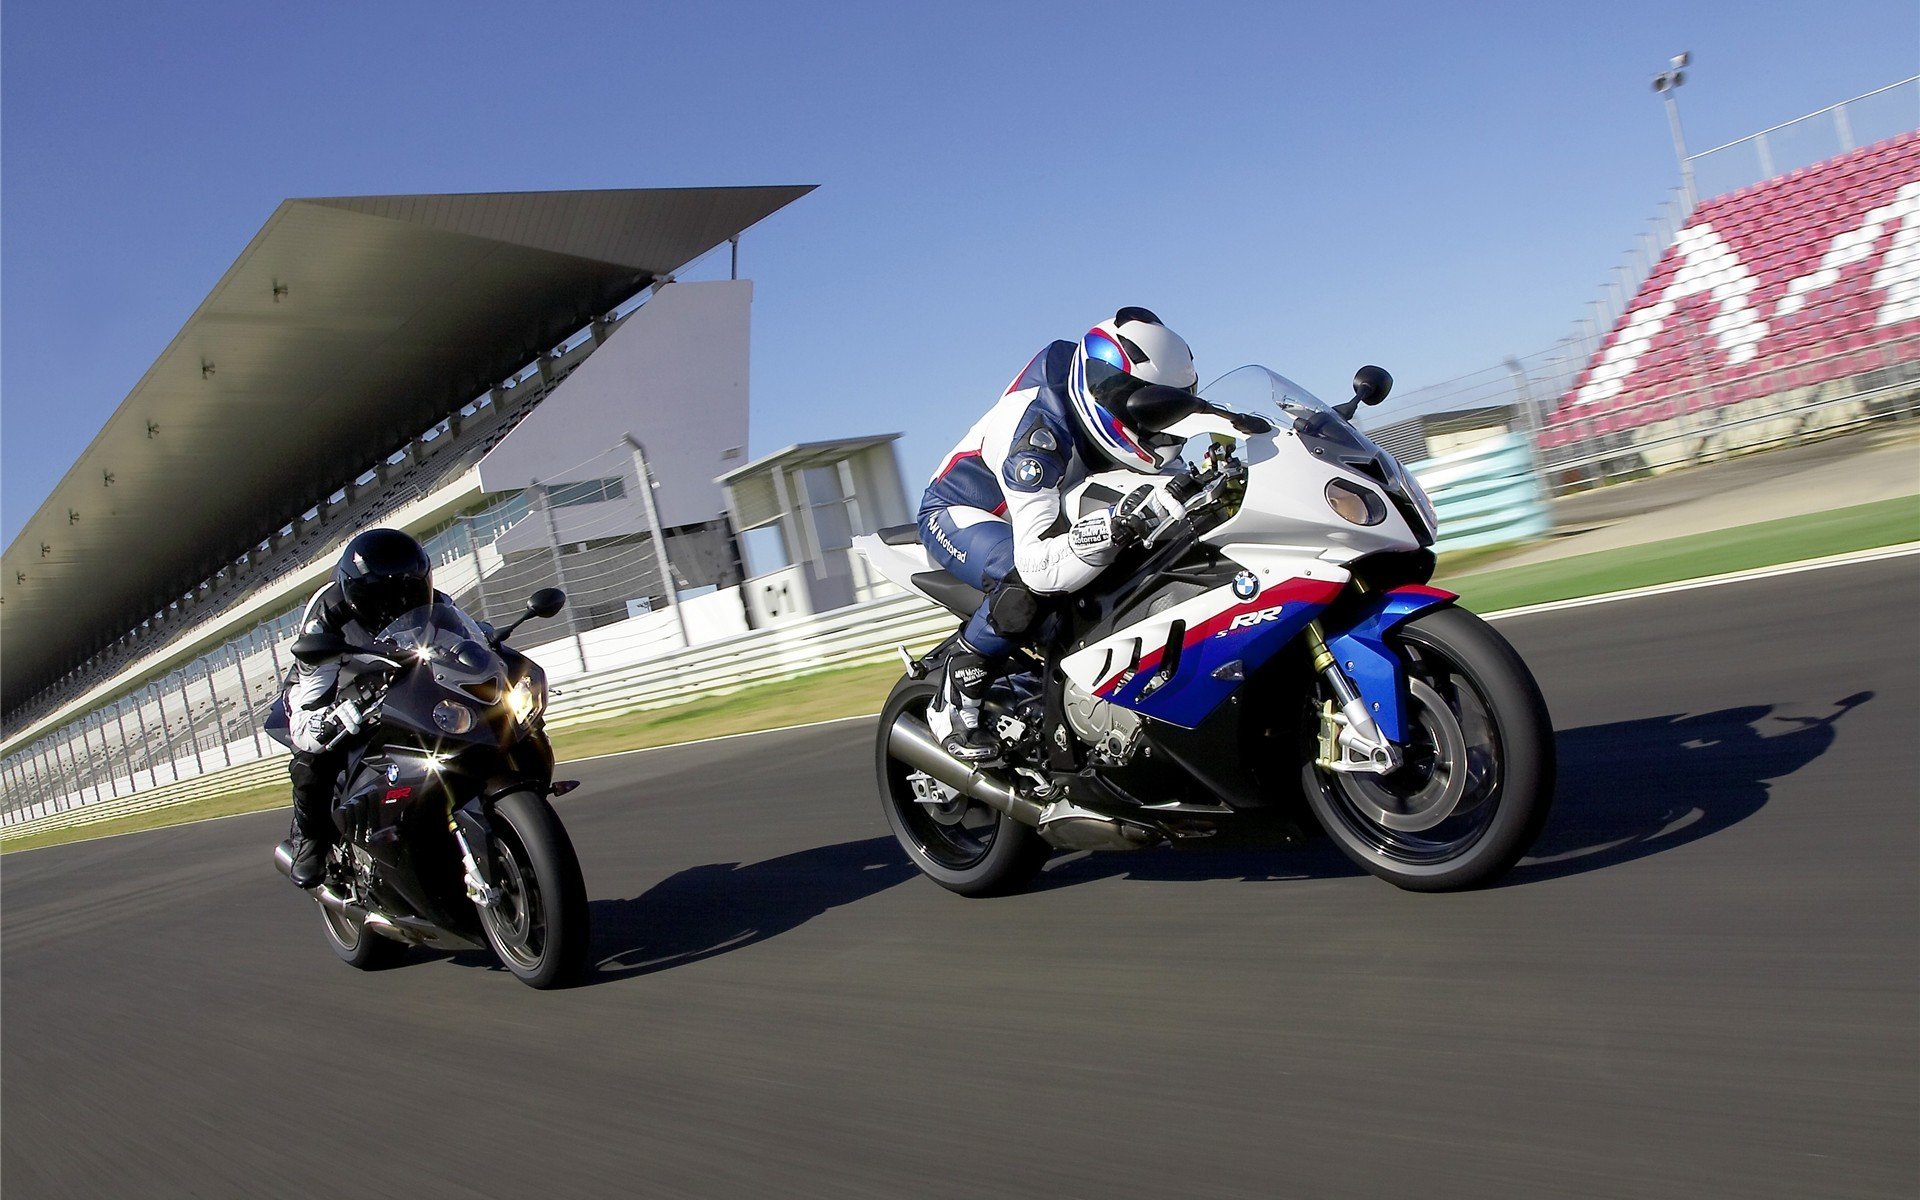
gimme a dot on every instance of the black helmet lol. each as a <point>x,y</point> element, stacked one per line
<point>383,574</point>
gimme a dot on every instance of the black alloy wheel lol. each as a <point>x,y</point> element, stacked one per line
<point>958,842</point>
<point>1477,777</point>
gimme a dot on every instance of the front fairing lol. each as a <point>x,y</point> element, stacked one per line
<point>450,667</point>
<point>1290,466</point>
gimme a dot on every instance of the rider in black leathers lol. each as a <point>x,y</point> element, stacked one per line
<point>382,575</point>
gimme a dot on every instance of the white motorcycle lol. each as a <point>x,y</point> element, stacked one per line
<point>1268,658</point>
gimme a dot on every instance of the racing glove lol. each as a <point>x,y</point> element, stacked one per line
<point>1144,512</point>
<point>344,719</point>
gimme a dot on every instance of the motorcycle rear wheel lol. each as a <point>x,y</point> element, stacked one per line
<point>1479,775</point>
<point>964,846</point>
<point>353,942</point>
<point>539,929</point>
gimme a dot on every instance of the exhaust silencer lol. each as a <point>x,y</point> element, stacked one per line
<point>1069,828</point>
<point>912,743</point>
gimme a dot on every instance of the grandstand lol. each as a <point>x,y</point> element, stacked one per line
<point>1790,303</point>
<point>1785,306</point>
<point>394,360</point>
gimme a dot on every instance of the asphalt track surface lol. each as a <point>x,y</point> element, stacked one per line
<point>1704,984</point>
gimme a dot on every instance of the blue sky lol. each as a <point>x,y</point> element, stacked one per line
<point>1427,186</point>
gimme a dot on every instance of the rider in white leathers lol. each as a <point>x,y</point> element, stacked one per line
<point>993,515</point>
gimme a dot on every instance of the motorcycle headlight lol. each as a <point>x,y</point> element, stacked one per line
<point>1357,504</point>
<point>522,701</point>
<point>453,716</point>
<point>1421,501</point>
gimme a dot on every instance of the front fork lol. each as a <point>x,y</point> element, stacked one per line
<point>468,831</point>
<point>1350,739</point>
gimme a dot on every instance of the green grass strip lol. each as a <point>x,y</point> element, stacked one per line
<point>1743,548</point>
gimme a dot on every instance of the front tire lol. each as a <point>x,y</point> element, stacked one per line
<point>1478,780</point>
<point>539,929</point>
<point>962,845</point>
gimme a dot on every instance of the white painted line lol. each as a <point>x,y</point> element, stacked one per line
<point>1688,585</point>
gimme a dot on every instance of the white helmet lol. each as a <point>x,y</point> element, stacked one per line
<point>1113,360</point>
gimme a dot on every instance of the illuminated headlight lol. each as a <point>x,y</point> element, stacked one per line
<point>1356,504</point>
<point>453,716</point>
<point>521,700</point>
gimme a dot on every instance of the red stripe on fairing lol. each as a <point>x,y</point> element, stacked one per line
<point>954,462</point>
<point>1317,592</point>
<point>1421,589</point>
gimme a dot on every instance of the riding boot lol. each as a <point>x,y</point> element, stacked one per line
<point>312,832</point>
<point>962,692</point>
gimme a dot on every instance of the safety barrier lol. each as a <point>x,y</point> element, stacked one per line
<point>1486,494</point>
<point>214,785</point>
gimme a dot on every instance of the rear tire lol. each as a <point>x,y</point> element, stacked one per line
<point>965,846</point>
<point>539,930</point>
<point>355,944</point>
<point>1477,730</point>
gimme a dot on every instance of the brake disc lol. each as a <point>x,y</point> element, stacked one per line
<point>1430,785</point>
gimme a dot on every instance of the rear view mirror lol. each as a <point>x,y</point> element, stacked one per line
<point>1156,407</point>
<point>1371,384</point>
<point>546,602</point>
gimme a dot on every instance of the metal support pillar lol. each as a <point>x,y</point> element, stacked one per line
<point>479,568</point>
<point>542,502</point>
<point>146,739</point>
<point>659,538</point>
<point>219,723</point>
<point>246,697</point>
<point>126,752</point>
<point>65,790</point>
<point>106,756</point>
<point>193,730</point>
<point>166,734</point>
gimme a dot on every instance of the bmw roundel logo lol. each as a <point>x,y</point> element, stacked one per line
<point>1028,470</point>
<point>393,772</point>
<point>1246,585</point>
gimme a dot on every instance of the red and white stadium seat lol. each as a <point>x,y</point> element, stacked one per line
<point>1806,278</point>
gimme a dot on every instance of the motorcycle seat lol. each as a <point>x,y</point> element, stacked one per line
<point>901,535</point>
<point>953,593</point>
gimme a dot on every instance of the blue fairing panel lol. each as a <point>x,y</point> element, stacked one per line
<point>1375,667</point>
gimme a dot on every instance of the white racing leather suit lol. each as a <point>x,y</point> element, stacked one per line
<point>997,504</point>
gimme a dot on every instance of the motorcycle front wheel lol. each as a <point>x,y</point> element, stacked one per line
<point>539,928</point>
<point>959,843</point>
<point>1477,779</point>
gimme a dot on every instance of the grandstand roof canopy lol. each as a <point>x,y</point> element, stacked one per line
<point>347,326</point>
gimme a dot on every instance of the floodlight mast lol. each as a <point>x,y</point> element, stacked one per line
<point>1666,83</point>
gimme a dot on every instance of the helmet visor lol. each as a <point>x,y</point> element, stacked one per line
<point>1110,386</point>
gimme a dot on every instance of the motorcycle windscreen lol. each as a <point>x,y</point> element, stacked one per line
<point>455,649</point>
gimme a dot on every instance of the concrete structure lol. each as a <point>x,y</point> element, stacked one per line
<point>798,510</point>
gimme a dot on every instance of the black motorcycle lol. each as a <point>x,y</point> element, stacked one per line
<point>446,838</point>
